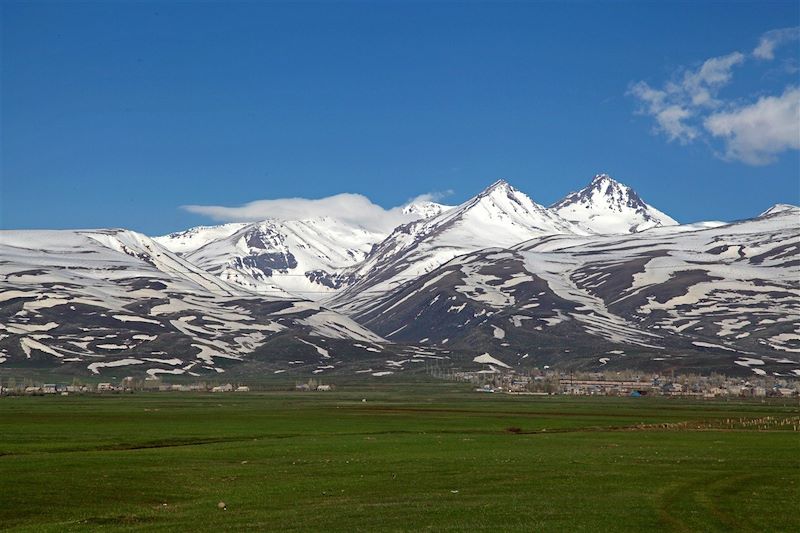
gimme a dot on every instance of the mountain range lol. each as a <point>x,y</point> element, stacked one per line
<point>598,280</point>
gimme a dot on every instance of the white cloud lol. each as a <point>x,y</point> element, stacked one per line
<point>678,102</point>
<point>436,196</point>
<point>689,107</point>
<point>772,39</point>
<point>355,209</point>
<point>756,133</point>
<point>671,119</point>
<point>701,85</point>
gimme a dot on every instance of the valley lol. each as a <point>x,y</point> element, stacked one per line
<point>412,456</point>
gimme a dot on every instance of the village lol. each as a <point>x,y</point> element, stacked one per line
<point>535,382</point>
<point>130,384</point>
<point>126,385</point>
<point>629,383</point>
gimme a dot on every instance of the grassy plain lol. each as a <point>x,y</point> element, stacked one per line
<point>413,457</point>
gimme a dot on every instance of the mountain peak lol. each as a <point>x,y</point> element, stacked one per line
<point>500,190</point>
<point>500,197</point>
<point>603,189</point>
<point>425,209</point>
<point>499,185</point>
<point>608,206</point>
<point>780,208</point>
<point>609,186</point>
<point>603,177</point>
<point>502,205</point>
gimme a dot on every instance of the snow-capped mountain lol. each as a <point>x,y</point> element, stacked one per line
<point>425,209</point>
<point>607,206</point>
<point>184,242</point>
<point>499,216</point>
<point>579,285</point>
<point>723,297</point>
<point>302,257</point>
<point>318,257</point>
<point>87,301</point>
<point>781,208</point>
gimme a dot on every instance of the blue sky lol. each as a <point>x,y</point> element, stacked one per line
<point>117,114</point>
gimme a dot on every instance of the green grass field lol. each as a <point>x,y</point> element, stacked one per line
<point>410,458</point>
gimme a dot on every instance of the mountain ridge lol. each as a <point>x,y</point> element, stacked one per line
<point>498,274</point>
<point>500,215</point>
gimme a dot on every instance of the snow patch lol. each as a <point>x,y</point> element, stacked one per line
<point>487,359</point>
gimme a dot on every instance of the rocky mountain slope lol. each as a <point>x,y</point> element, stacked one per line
<point>303,257</point>
<point>307,258</point>
<point>717,297</point>
<point>499,216</point>
<point>93,301</point>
